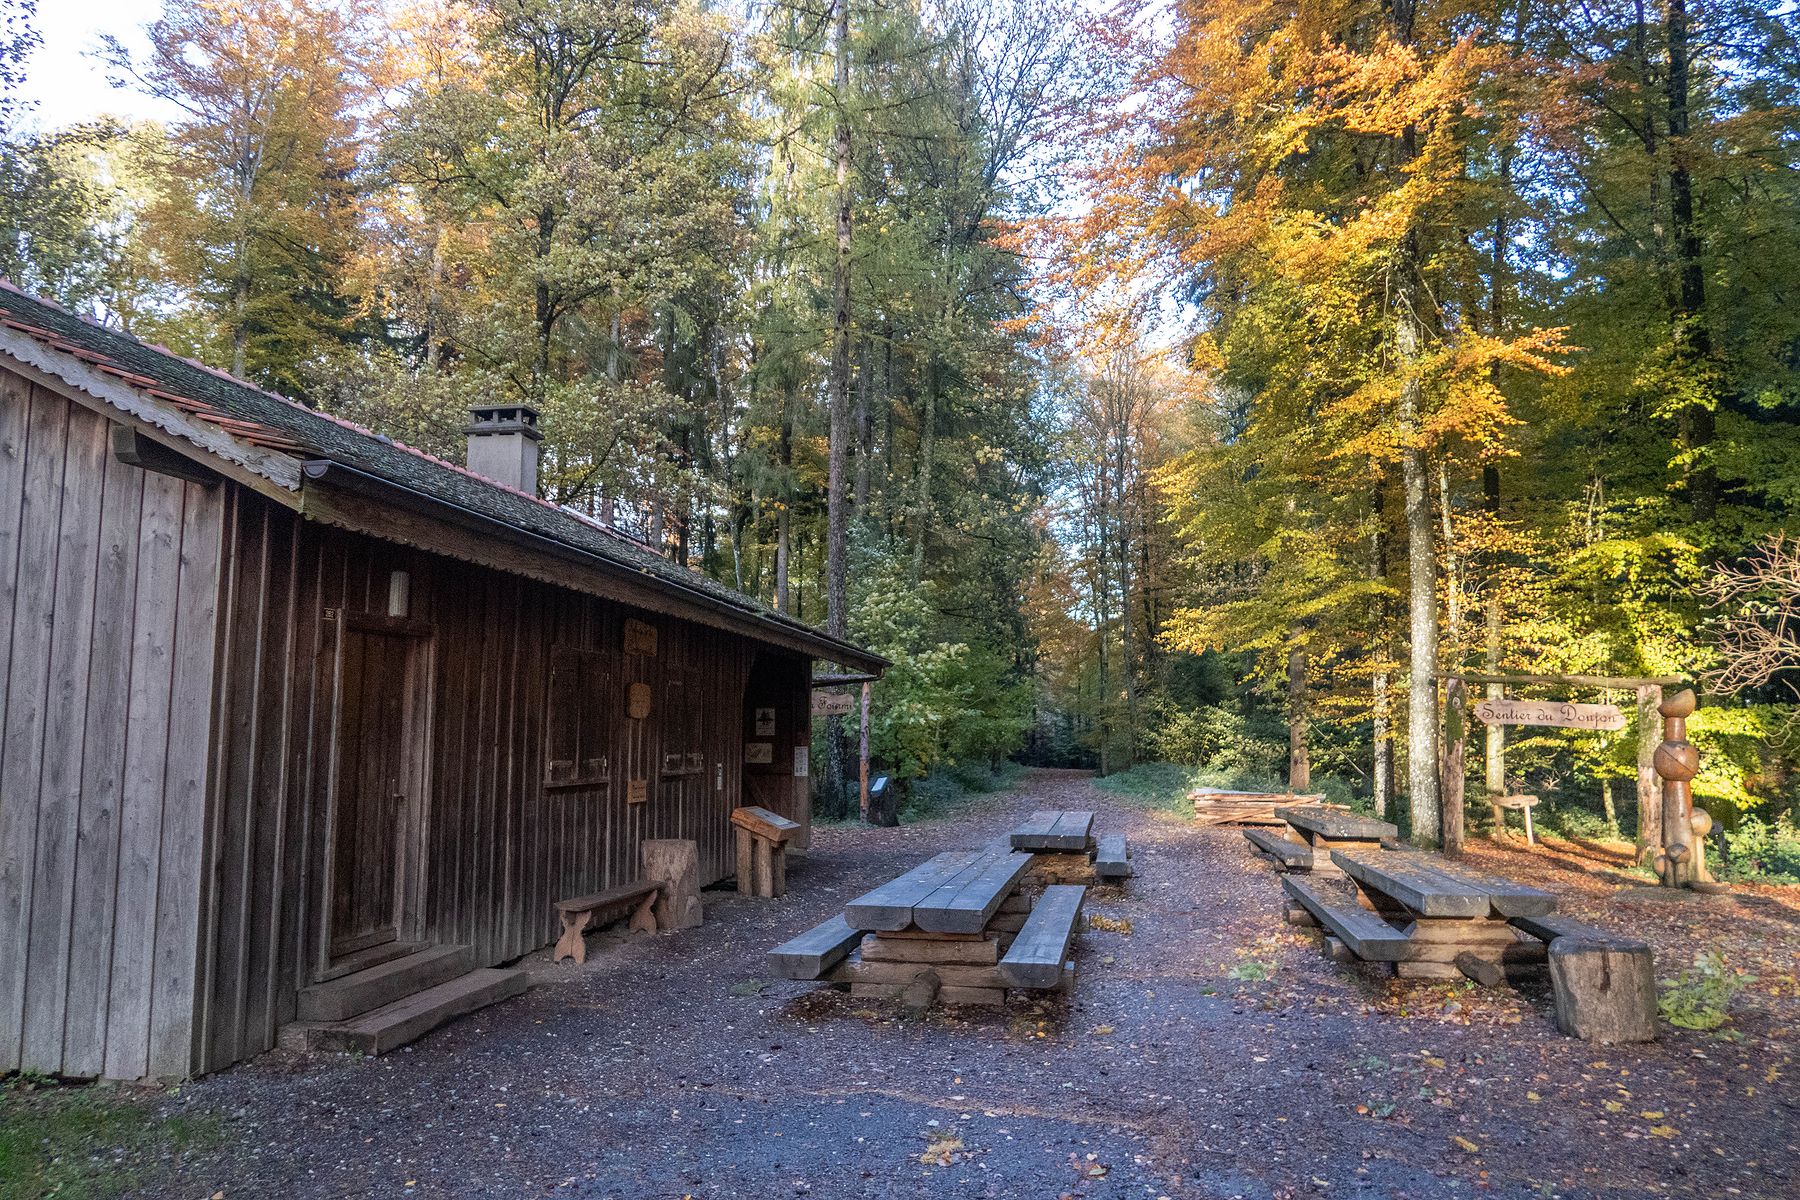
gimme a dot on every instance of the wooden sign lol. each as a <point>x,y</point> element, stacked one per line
<point>765,722</point>
<point>637,701</point>
<point>640,637</point>
<point>1550,712</point>
<point>832,704</point>
<point>760,753</point>
<point>637,791</point>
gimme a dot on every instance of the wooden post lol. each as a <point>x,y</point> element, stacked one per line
<point>1649,784</point>
<point>863,755</point>
<point>1456,734</point>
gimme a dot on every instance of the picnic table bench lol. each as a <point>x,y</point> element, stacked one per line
<point>958,928</point>
<point>1290,852</point>
<point>1323,829</point>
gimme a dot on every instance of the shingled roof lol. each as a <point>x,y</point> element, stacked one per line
<point>281,431</point>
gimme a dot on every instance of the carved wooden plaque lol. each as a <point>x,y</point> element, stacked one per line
<point>761,753</point>
<point>1550,712</point>
<point>832,704</point>
<point>637,701</point>
<point>637,791</point>
<point>640,637</point>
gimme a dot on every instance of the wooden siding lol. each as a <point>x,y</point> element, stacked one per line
<point>499,847</point>
<point>108,593</point>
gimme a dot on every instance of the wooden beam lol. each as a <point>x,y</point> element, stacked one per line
<point>133,448</point>
<point>1600,681</point>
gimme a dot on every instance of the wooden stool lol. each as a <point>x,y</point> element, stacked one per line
<point>1524,804</point>
<point>762,838</point>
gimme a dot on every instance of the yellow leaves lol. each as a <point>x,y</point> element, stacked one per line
<point>1464,1144</point>
<point>1612,1106</point>
<point>1663,1131</point>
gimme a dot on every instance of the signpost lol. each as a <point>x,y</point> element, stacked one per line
<point>1559,713</point>
<point>832,704</point>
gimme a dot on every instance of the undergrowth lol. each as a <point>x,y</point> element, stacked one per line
<point>1163,786</point>
<point>1700,998</point>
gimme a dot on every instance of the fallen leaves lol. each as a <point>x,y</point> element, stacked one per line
<point>945,1149</point>
<point>1463,1143</point>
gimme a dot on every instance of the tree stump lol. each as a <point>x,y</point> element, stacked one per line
<point>1605,991</point>
<point>675,864</point>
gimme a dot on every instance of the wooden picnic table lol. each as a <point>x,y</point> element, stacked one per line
<point>1430,917</point>
<point>958,928</point>
<point>1323,829</point>
<point>1054,831</point>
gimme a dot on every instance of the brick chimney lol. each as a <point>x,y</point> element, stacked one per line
<point>503,445</point>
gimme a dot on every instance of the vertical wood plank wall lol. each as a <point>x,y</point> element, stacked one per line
<point>499,846</point>
<point>108,595</point>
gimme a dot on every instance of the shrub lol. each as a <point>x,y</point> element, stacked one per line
<point>1700,998</point>
<point>1763,851</point>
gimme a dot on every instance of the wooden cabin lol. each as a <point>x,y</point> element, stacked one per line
<point>284,700</point>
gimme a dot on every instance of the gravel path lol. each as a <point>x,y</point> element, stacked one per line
<point>1208,1052</point>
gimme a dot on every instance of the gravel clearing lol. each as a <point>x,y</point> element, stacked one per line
<point>1211,1051</point>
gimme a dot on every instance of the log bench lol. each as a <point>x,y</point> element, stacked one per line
<point>1113,858</point>
<point>1604,983</point>
<point>579,913</point>
<point>762,841</point>
<point>816,951</point>
<point>1038,953</point>
<point>1365,934</point>
<point>1289,855</point>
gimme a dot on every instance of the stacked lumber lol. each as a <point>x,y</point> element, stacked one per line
<point>1215,806</point>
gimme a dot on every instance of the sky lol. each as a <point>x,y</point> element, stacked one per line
<point>66,77</point>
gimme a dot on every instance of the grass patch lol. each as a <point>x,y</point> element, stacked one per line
<point>77,1142</point>
<point>1163,786</point>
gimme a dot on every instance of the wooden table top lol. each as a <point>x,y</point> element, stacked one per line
<point>1432,886</point>
<point>955,892</point>
<point>1336,822</point>
<point>1050,830</point>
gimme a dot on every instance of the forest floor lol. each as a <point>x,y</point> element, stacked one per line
<point>1208,1051</point>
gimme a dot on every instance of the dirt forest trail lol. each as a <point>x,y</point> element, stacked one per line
<point>1210,1051</point>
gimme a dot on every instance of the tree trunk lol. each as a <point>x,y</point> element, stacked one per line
<point>1456,728</point>
<point>927,451</point>
<point>837,520</point>
<point>1494,773</point>
<point>1421,567</point>
<point>1649,783</point>
<point>1382,769</point>
<point>1299,764</point>
<point>783,516</point>
<point>1693,341</point>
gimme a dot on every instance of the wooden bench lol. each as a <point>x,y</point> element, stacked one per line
<point>1037,954</point>
<point>890,906</point>
<point>1291,856</point>
<point>1325,829</point>
<point>816,951</point>
<point>762,838</point>
<point>1604,982</point>
<point>582,911</point>
<point>1053,831</point>
<point>1366,934</point>
<point>1113,859</point>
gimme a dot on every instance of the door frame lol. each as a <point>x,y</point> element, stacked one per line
<point>410,876</point>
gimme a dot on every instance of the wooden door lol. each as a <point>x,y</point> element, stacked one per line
<point>372,802</point>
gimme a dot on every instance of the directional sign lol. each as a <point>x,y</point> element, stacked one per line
<point>1550,712</point>
<point>832,704</point>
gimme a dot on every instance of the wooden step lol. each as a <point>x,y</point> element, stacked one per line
<point>372,987</point>
<point>408,1019</point>
<point>1369,937</point>
<point>1291,855</point>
